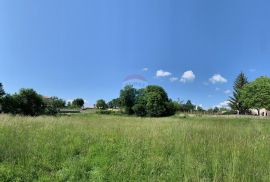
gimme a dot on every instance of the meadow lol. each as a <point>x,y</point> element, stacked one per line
<point>92,147</point>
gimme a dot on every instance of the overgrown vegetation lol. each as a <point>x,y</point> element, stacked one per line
<point>29,102</point>
<point>119,148</point>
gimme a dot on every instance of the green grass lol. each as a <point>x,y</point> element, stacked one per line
<point>90,147</point>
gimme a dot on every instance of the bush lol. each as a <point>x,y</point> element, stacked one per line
<point>10,104</point>
<point>109,112</point>
<point>53,105</point>
<point>139,110</point>
<point>171,108</point>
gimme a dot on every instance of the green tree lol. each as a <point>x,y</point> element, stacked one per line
<point>256,95</point>
<point>171,108</point>
<point>157,101</point>
<point>115,103</point>
<point>78,102</point>
<point>158,90</point>
<point>189,107</point>
<point>155,105</point>
<point>10,104</point>
<point>216,110</point>
<point>128,98</point>
<point>2,91</point>
<point>29,102</point>
<point>234,101</point>
<point>200,109</point>
<point>101,104</point>
<point>53,105</point>
<point>139,109</point>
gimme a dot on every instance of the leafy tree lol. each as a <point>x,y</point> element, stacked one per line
<point>78,102</point>
<point>256,95</point>
<point>158,90</point>
<point>141,97</point>
<point>216,110</point>
<point>69,104</point>
<point>29,102</point>
<point>155,105</point>
<point>101,104</point>
<point>139,109</point>
<point>53,105</point>
<point>157,102</point>
<point>115,103</point>
<point>189,107</point>
<point>10,104</point>
<point>234,101</point>
<point>171,108</point>
<point>200,109</point>
<point>177,105</point>
<point>128,98</point>
<point>2,91</point>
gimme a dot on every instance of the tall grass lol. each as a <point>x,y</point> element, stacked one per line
<point>92,147</point>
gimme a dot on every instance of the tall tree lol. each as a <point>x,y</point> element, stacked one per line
<point>128,98</point>
<point>78,102</point>
<point>234,101</point>
<point>256,95</point>
<point>189,107</point>
<point>2,92</point>
<point>29,102</point>
<point>101,104</point>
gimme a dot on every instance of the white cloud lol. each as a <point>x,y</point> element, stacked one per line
<point>217,78</point>
<point>227,91</point>
<point>217,89</point>
<point>145,69</point>
<point>224,104</point>
<point>161,73</point>
<point>173,79</point>
<point>188,76</point>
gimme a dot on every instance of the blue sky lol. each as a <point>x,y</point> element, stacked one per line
<point>86,48</point>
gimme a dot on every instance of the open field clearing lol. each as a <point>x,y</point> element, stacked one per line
<point>90,147</point>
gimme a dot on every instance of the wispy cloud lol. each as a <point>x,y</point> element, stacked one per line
<point>187,76</point>
<point>217,78</point>
<point>224,104</point>
<point>173,79</point>
<point>145,69</point>
<point>161,73</point>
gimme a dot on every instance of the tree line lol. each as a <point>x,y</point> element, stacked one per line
<point>29,102</point>
<point>151,101</point>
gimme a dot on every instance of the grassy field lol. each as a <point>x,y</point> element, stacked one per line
<point>90,147</point>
